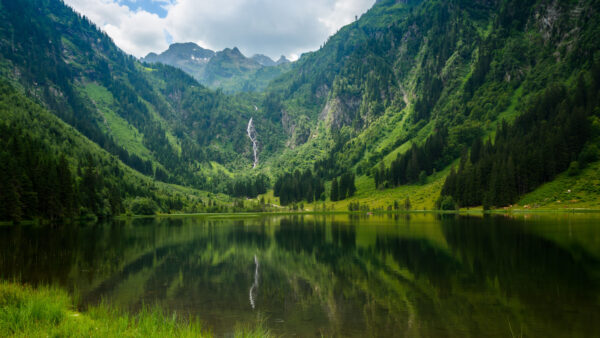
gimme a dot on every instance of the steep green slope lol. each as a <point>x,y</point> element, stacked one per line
<point>156,119</point>
<point>401,93</point>
<point>49,170</point>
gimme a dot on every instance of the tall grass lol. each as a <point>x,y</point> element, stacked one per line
<point>49,312</point>
<point>24,312</point>
<point>256,330</point>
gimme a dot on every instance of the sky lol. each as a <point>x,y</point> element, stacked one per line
<point>270,27</point>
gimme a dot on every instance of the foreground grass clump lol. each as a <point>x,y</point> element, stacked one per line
<point>47,312</point>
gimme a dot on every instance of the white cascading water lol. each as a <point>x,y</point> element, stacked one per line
<point>252,136</point>
<point>255,285</point>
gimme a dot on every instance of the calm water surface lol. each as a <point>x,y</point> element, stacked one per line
<point>405,275</point>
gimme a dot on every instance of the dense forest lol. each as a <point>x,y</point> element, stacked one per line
<point>550,137</point>
<point>50,171</point>
<point>299,186</point>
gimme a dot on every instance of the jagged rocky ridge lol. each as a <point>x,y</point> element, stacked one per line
<point>228,69</point>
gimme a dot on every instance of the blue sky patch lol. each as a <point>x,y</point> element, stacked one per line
<point>151,6</point>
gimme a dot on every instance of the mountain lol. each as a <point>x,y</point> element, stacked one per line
<point>268,62</point>
<point>419,103</point>
<point>400,95</point>
<point>282,60</point>
<point>228,63</point>
<point>228,69</point>
<point>156,119</point>
<point>49,170</point>
<point>189,57</point>
<point>183,52</point>
<point>264,60</point>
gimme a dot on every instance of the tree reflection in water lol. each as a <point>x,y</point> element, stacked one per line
<point>415,275</point>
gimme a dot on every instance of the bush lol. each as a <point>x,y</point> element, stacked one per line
<point>573,169</point>
<point>446,203</point>
<point>422,177</point>
<point>143,206</point>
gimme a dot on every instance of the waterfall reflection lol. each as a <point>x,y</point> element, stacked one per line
<point>254,286</point>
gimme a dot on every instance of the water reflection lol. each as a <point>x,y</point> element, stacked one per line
<point>415,275</point>
<point>254,286</point>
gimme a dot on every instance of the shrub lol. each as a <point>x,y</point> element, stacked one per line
<point>573,169</point>
<point>143,206</point>
<point>446,203</point>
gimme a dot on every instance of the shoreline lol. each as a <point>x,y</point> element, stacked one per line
<point>238,215</point>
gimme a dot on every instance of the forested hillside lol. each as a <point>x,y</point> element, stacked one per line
<point>140,113</point>
<point>412,86</point>
<point>49,170</point>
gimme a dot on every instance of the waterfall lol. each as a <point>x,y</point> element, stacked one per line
<point>255,285</point>
<point>252,136</point>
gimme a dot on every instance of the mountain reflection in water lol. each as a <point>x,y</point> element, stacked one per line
<point>390,275</point>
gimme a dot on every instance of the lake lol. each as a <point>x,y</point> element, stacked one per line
<point>335,275</point>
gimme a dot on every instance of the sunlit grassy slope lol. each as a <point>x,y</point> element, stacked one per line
<point>124,133</point>
<point>580,191</point>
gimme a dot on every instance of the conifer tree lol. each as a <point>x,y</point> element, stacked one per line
<point>334,190</point>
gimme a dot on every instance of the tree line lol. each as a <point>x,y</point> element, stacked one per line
<point>248,186</point>
<point>342,188</point>
<point>36,182</point>
<point>299,186</point>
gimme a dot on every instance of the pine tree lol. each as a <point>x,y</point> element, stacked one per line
<point>412,169</point>
<point>10,203</point>
<point>334,190</point>
<point>65,184</point>
<point>352,185</point>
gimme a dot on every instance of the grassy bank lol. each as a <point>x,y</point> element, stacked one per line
<point>49,312</point>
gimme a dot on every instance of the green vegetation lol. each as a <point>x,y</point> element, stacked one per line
<point>567,192</point>
<point>156,119</point>
<point>43,312</point>
<point>299,186</point>
<point>50,171</point>
<point>28,312</point>
<point>413,86</point>
<point>123,133</point>
<point>344,189</point>
<point>553,131</point>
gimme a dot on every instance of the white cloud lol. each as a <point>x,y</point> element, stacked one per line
<point>136,32</point>
<point>271,27</point>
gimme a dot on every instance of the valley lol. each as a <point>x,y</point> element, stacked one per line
<point>447,105</point>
